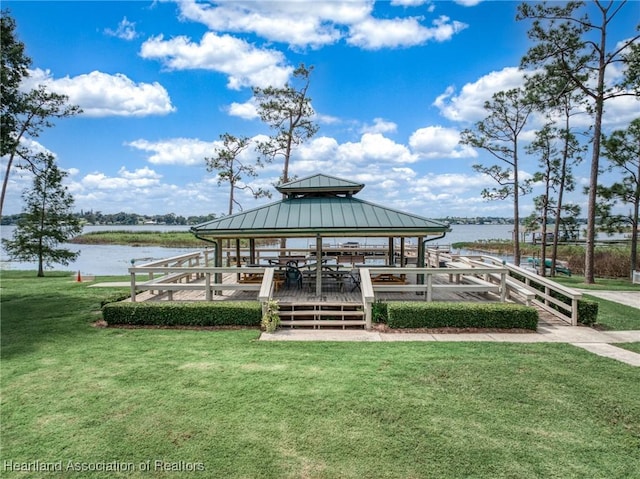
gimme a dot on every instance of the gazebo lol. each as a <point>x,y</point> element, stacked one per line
<point>321,206</point>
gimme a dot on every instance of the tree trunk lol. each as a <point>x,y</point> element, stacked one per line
<point>5,182</point>
<point>543,245</point>
<point>634,238</point>
<point>516,218</point>
<point>589,261</point>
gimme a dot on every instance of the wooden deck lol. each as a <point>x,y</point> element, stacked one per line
<point>331,294</point>
<point>446,277</point>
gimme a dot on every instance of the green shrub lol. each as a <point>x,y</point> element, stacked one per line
<point>379,312</point>
<point>587,312</point>
<point>214,313</point>
<point>114,298</point>
<point>461,315</point>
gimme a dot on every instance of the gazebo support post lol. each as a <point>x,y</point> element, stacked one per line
<point>420,260</point>
<point>402,258</point>
<point>392,258</point>
<point>318,265</point>
<point>238,262</point>
<point>252,251</point>
<point>218,263</point>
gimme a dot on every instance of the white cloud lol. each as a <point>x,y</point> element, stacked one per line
<point>141,190</point>
<point>373,34</point>
<point>468,3</point>
<point>126,30</point>
<point>243,63</point>
<point>101,94</point>
<point>313,24</point>
<point>247,110</point>
<point>374,147</point>
<point>176,151</point>
<point>439,142</point>
<point>452,183</point>
<point>326,119</point>
<point>299,24</point>
<point>380,125</point>
<point>137,179</point>
<point>468,105</point>
<point>409,3</point>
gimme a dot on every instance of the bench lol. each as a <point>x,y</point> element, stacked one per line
<point>389,278</point>
<point>251,278</point>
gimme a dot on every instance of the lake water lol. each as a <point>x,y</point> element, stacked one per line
<point>115,260</point>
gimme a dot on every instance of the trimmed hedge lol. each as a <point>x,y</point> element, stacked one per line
<point>461,315</point>
<point>587,312</point>
<point>379,312</point>
<point>216,313</point>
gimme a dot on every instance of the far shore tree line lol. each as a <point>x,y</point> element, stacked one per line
<point>98,218</point>
<point>568,69</point>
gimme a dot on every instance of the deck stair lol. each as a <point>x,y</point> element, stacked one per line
<point>340,315</point>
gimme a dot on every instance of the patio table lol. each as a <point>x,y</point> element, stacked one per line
<point>331,275</point>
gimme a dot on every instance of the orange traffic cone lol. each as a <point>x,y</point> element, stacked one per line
<point>79,278</point>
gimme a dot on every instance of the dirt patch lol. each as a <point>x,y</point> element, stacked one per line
<point>104,324</point>
<point>383,328</point>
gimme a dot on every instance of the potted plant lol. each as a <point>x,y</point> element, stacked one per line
<point>271,318</point>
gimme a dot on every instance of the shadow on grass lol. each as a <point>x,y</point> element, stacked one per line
<point>37,311</point>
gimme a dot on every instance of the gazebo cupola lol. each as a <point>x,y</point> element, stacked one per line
<point>319,186</point>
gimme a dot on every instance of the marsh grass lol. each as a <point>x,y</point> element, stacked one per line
<point>250,409</point>
<point>610,261</point>
<point>171,239</point>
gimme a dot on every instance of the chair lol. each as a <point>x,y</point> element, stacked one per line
<point>293,276</point>
<point>355,279</point>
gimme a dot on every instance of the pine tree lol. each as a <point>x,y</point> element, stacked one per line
<point>289,113</point>
<point>47,221</point>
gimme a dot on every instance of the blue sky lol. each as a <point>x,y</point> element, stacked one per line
<point>393,85</point>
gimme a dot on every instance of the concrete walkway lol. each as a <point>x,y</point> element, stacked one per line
<point>628,298</point>
<point>598,342</point>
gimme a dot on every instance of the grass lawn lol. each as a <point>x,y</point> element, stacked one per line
<point>607,284</point>
<point>635,347</point>
<point>240,408</point>
<point>614,316</point>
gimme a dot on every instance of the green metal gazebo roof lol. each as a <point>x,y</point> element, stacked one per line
<point>320,184</point>
<point>314,207</point>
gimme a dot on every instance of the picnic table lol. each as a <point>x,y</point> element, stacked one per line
<point>256,278</point>
<point>332,275</point>
<point>389,278</point>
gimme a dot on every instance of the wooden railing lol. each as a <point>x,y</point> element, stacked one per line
<point>548,294</point>
<point>368,296</point>
<point>189,271</point>
<point>461,280</point>
<point>481,274</point>
<point>521,284</point>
